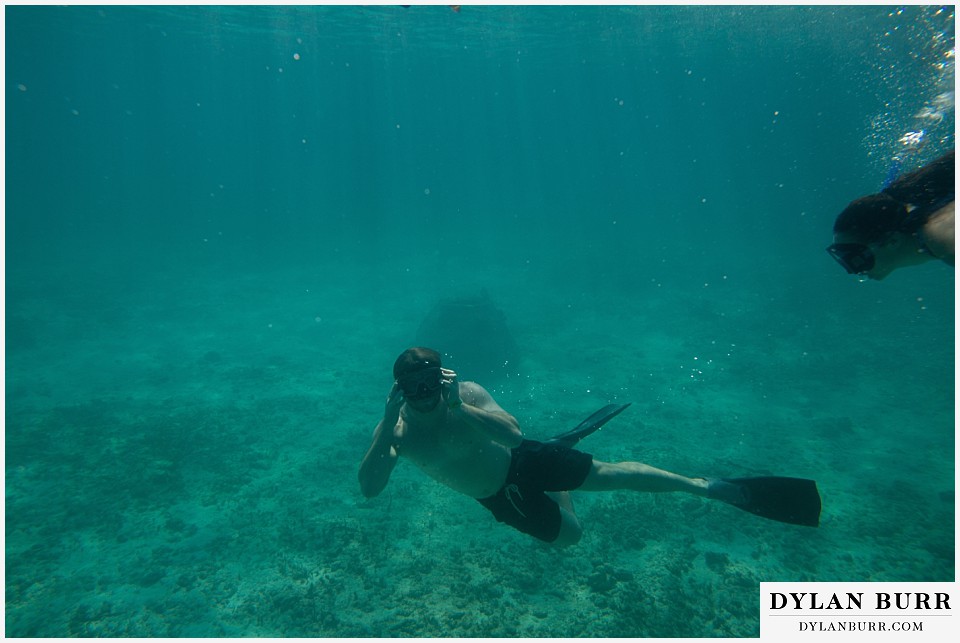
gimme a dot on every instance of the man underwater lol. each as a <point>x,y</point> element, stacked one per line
<point>456,433</point>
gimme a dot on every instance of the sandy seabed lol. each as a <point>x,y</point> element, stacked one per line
<point>181,461</point>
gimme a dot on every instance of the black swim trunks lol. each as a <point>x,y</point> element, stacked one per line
<point>535,468</point>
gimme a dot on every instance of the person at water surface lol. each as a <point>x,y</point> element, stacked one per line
<point>457,434</point>
<point>908,223</point>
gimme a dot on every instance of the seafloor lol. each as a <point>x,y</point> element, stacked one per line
<point>181,459</point>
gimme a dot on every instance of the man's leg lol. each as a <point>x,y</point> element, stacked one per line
<point>636,476</point>
<point>570,529</point>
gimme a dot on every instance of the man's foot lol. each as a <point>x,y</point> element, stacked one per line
<point>731,493</point>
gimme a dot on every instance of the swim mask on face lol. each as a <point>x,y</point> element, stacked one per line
<point>855,258</point>
<point>420,385</point>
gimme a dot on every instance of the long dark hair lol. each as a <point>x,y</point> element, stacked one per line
<point>928,189</point>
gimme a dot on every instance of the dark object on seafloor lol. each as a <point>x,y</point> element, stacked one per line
<point>472,335</point>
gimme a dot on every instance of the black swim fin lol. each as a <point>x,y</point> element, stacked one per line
<point>588,426</point>
<point>792,500</point>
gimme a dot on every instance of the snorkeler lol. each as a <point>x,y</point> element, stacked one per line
<point>907,223</point>
<point>456,433</point>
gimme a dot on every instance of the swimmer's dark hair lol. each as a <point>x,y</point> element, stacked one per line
<point>926,186</point>
<point>871,218</point>
<point>415,359</point>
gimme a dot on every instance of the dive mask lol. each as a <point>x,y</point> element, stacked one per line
<point>855,258</point>
<point>420,385</point>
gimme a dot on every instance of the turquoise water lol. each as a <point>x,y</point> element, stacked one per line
<point>223,224</point>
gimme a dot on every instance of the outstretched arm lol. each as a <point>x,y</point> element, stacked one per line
<point>381,457</point>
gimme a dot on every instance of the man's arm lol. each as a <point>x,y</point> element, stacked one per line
<point>381,457</point>
<point>482,412</point>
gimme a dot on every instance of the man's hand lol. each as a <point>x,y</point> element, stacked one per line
<point>451,386</point>
<point>394,402</point>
